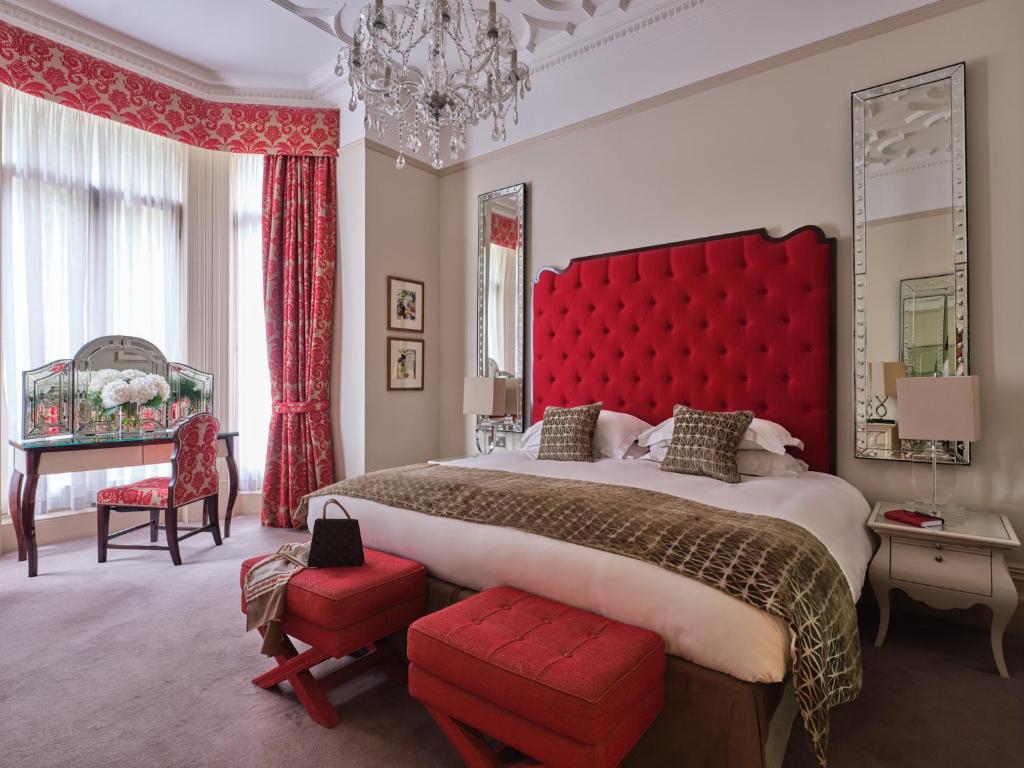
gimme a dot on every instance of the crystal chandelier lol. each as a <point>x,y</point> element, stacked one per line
<point>473,74</point>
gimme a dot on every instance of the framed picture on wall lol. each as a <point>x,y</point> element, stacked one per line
<point>405,364</point>
<point>405,305</point>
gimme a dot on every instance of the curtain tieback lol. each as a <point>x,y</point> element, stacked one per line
<point>302,406</point>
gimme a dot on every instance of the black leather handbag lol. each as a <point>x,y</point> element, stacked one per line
<point>336,543</point>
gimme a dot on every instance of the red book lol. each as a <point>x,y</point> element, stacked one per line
<point>918,519</point>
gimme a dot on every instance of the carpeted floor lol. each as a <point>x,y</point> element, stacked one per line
<point>136,663</point>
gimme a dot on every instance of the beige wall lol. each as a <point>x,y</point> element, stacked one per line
<point>388,221</point>
<point>773,149</point>
<point>348,358</point>
<point>402,215</point>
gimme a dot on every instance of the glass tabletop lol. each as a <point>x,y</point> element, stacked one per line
<point>72,442</point>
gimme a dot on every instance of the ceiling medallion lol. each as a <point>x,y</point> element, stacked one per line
<point>474,73</point>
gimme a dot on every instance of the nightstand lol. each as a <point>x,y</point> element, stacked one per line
<point>957,566</point>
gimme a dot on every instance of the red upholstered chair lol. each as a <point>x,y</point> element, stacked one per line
<point>566,687</point>
<point>193,478</point>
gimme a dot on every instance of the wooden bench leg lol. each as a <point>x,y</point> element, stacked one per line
<point>467,741</point>
<point>154,525</point>
<point>294,667</point>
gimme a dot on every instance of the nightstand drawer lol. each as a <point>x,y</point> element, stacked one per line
<point>964,569</point>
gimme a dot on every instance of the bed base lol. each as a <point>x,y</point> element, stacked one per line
<point>710,720</point>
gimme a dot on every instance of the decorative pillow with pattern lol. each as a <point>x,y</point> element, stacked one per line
<point>568,433</point>
<point>705,442</point>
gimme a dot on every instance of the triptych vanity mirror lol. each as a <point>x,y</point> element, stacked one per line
<point>910,250</point>
<point>501,299</point>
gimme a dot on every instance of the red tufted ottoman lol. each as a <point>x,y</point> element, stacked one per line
<point>338,611</point>
<point>564,686</point>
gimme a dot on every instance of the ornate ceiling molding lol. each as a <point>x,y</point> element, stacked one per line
<point>562,20</point>
<point>624,30</point>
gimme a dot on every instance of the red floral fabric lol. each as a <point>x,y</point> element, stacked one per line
<point>194,470</point>
<point>299,255</point>
<point>49,70</point>
<point>196,475</point>
<point>504,231</point>
<point>151,492</point>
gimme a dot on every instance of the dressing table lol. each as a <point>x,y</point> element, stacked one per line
<point>77,416</point>
<point>52,456</point>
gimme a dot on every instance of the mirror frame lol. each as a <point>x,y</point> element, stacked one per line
<point>958,170</point>
<point>517,191</point>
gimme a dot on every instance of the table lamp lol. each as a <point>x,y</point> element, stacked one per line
<point>938,408</point>
<point>485,396</point>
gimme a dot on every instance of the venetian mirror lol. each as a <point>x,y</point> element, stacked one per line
<point>501,297</point>
<point>910,250</point>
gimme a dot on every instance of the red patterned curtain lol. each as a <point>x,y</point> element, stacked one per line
<point>299,255</point>
<point>504,231</point>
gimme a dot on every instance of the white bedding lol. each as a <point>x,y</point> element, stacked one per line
<point>698,622</point>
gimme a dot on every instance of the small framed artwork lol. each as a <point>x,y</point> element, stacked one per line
<point>405,305</point>
<point>405,364</point>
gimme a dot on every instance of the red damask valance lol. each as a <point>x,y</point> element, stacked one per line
<point>504,231</point>
<point>49,70</point>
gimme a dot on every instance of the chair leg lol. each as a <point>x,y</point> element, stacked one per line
<point>171,527</point>
<point>210,509</point>
<point>154,523</point>
<point>102,531</point>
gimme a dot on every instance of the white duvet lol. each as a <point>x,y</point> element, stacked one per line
<point>698,622</point>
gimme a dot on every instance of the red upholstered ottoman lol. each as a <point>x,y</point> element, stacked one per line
<point>566,687</point>
<point>338,611</point>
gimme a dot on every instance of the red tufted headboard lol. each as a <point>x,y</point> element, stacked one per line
<point>730,322</point>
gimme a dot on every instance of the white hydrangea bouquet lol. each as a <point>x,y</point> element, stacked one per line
<point>125,393</point>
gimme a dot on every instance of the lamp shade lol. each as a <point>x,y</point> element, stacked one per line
<point>512,386</point>
<point>883,378</point>
<point>483,396</point>
<point>939,408</point>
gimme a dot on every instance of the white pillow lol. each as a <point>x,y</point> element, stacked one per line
<point>761,435</point>
<point>768,436</point>
<point>757,462</point>
<point>636,452</point>
<point>614,434</point>
<point>768,464</point>
<point>657,452</point>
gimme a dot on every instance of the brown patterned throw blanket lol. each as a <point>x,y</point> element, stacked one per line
<point>771,564</point>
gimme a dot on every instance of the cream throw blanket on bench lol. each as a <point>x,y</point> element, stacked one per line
<point>265,587</point>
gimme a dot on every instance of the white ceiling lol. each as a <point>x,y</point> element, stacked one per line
<point>588,57</point>
<point>251,37</point>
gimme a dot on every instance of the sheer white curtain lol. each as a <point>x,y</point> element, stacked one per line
<point>90,245</point>
<point>501,307</point>
<point>251,403</point>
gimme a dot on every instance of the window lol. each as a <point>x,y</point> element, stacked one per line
<point>90,245</point>
<point>251,373</point>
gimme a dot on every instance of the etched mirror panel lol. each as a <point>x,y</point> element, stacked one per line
<point>501,292</point>
<point>115,386</point>
<point>101,408</point>
<point>47,400</point>
<point>191,392</point>
<point>910,251</point>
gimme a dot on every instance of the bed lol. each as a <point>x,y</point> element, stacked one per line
<point>735,321</point>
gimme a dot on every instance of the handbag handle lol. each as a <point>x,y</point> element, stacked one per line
<point>323,515</point>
